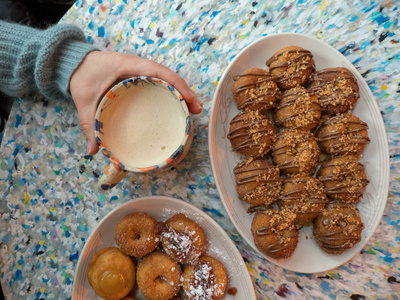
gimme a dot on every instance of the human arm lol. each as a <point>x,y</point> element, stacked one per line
<point>58,63</point>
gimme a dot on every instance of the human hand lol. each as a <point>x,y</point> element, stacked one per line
<point>99,70</point>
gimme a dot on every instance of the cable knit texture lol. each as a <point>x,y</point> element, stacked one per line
<point>33,60</point>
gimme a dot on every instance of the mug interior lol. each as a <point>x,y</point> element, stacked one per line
<point>141,123</point>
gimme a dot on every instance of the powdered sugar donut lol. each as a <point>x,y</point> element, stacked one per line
<point>183,239</point>
<point>204,279</point>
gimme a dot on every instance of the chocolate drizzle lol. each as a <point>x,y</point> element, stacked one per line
<point>262,91</point>
<point>257,181</point>
<point>289,151</point>
<point>300,54</point>
<point>264,176</point>
<point>302,59</point>
<point>251,133</point>
<point>304,196</point>
<point>278,245</point>
<point>336,136</point>
<point>342,89</point>
<point>298,108</point>
<point>275,233</point>
<point>344,179</point>
<point>338,228</point>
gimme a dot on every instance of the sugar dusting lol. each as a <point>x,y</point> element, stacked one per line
<point>181,243</point>
<point>203,285</point>
<point>215,248</point>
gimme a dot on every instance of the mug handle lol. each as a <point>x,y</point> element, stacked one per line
<point>111,176</point>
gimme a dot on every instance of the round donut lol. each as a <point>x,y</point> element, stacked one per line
<point>336,89</point>
<point>183,239</point>
<point>111,273</point>
<point>255,89</point>
<point>251,133</point>
<point>275,233</point>
<point>343,134</point>
<point>295,152</point>
<point>158,276</point>
<point>204,279</point>
<point>344,179</point>
<point>137,234</point>
<point>292,66</point>
<point>257,181</point>
<point>298,108</point>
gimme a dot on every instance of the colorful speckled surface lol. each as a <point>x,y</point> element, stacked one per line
<point>48,201</point>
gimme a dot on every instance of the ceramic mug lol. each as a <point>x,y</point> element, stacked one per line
<point>141,124</point>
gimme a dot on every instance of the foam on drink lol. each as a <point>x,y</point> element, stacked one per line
<point>145,128</point>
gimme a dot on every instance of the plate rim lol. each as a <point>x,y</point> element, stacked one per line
<point>380,128</point>
<point>185,204</point>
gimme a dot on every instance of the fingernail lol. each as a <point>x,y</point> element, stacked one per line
<point>88,148</point>
<point>199,104</point>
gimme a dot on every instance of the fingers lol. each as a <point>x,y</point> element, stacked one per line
<point>135,66</point>
<point>87,126</point>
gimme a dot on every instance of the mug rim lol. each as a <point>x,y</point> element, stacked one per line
<point>109,96</point>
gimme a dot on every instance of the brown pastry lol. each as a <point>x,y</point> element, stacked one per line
<point>137,234</point>
<point>111,273</point>
<point>292,66</point>
<point>295,151</point>
<point>251,133</point>
<point>343,134</point>
<point>344,179</point>
<point>303,195</point>
<point>257,181</point>
<point>275,233</point>
<point>298,109</point>
<point>255,89</point>
<point>338,228</point>
<point>204,279</point>
<point>158,276</point>
<point>336,89</point>
<point>183,239</point>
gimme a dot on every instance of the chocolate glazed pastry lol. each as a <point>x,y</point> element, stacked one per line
<point>292,66</point>
<point>344,179</point>
<point>336,89</point>
<point>338,228</point>
<point>304,195</point>
<point>295,152</point>
<point>251,134</point>
<point>257,181</point>
<point>255,89</point>
<point>298,109</point>
<point>343,134</point>
<point>275,233</point>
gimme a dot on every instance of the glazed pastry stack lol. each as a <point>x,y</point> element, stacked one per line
<point>171,261</point>
<point>300,144</point>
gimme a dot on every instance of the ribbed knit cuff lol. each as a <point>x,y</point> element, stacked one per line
<point>71,55</point>
<point>61,53</point>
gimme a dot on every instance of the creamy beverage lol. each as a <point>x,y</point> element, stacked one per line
<point>144,127</point>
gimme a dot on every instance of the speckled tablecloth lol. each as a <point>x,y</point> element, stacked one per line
<point>48,201</point>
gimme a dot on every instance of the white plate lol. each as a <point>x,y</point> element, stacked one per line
<point>219,245</point>
<point>308,258</point>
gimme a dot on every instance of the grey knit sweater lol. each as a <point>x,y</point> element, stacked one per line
<point>33,60</point>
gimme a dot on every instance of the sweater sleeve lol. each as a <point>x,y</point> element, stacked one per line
<point>33,60</point>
